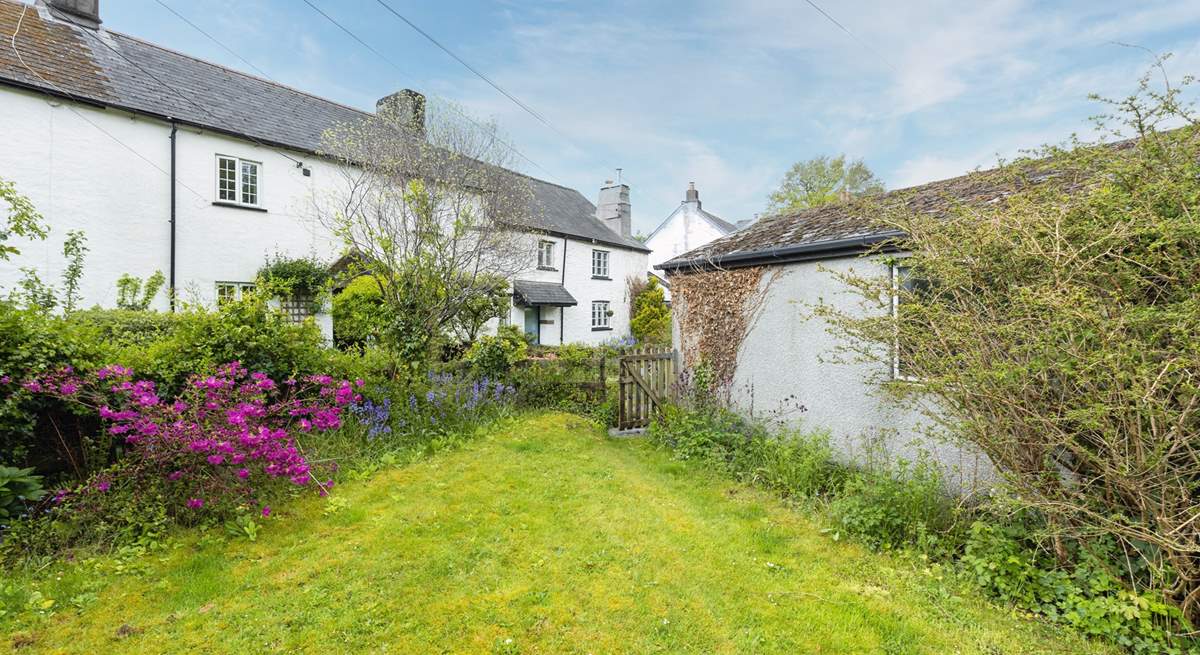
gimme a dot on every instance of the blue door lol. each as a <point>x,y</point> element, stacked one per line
<point>531,322</point>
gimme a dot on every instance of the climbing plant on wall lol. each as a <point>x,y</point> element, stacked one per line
<point>716,310</point>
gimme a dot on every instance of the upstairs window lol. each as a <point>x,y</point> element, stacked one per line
<point>546,254</point>
<point>238,181</point>
<point>600,263</point>
<point>228,292</point>
<point>600,315</point>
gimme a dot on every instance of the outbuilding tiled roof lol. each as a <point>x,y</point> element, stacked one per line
<point>530,293</point>
<point>110,69</point>
<point>844,228</point>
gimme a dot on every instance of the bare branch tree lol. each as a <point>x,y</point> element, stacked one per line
<point>430,210</point>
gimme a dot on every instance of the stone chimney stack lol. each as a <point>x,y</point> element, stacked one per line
<point>406,107</point>
<point>85,13</point>
<point>692,194</point>
<point>613,209</point>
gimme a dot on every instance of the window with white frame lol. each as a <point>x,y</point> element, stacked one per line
<point>228,292</point>
<point>904,285</point>
<point>545,254</point>
<point>600,263</point>
<point>600,314</point>
<point>238,181</point>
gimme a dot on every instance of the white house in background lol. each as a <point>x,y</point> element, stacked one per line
<point>171,163</point>
<point>686,228</point>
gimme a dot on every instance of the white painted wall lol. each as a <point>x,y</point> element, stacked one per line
<point>575,323</point>
<point>681,232</point>
<point>117,190</point>
<point>790,353</point>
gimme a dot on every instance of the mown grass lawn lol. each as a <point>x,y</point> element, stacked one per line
<point>543,537</point>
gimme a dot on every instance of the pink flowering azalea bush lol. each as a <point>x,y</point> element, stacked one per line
<point>226,441</point>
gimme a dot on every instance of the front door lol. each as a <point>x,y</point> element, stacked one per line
<point>532,315</point>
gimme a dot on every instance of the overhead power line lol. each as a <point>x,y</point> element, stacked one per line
<point>843,28</point>
<point>213,39</point>
<point>74,98</point>
<point>178,93</point>
<point>517,101</point>
<point>393,64</point>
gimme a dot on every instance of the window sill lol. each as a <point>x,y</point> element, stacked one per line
<point>547,268</point>
<point>234,205</point>
<point>596,329</point>
<point>601,277</point>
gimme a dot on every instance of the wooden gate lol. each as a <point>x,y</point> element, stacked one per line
<point>645,386</point>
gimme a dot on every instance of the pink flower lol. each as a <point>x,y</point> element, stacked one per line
<point>195,503</point>
<point>266,511</point>
<point>174,475</point>
<point>243,473</point>
<point>102,485</point>
<point>216,460</point>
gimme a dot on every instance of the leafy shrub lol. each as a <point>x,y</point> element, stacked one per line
<point>1001,557</point>
<point>31,342</point>
<point>791,463</point>
<point>118,328</point>
<point>292,277</point>
<point>222,442</point>
<point>245,331</point>
<point>494,356</point>
<point>1073,299</point>
<point>18,489</point>
<point>135,295</point>
<point>651,320</point>
<point>890,508</point>
<point>359,314</point>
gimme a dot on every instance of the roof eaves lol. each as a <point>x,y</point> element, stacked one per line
<point>831,249</point>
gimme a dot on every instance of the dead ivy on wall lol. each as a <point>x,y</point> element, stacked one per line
<point>716,310</point>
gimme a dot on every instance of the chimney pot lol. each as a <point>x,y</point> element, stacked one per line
<point>85,13</point>
<point>406,107</point>
<point>692,194</point>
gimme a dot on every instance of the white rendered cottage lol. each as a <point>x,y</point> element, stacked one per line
<point>685,229</point>
<point>171,163</point>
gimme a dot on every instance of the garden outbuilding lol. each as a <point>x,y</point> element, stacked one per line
<point>744,304</point>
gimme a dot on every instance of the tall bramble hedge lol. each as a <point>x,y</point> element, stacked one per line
<point>1056,331</point>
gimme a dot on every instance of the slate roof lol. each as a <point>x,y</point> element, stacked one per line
<point>530,293</point>
<point>848,228</point>
<point>110,69</point>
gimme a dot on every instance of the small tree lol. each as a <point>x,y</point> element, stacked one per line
<point>430,210</point>
<point>820,181</point>
<point>651,322</point>
<point>1056,332</point>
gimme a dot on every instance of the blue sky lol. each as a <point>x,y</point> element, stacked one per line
<point>726,94</point>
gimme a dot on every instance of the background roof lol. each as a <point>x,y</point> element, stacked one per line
<point>111,69</point>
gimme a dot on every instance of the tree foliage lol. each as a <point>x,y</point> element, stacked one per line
<point>651,322</point>
<point>1056,332</point>
<point>134,294</point>
<point>820,181</point>
<point>22,219</point>
<point>430,213</point>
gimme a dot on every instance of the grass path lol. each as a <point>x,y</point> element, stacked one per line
<point>544,537</point>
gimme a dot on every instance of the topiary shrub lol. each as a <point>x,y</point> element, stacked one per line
<point>359,314</point>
